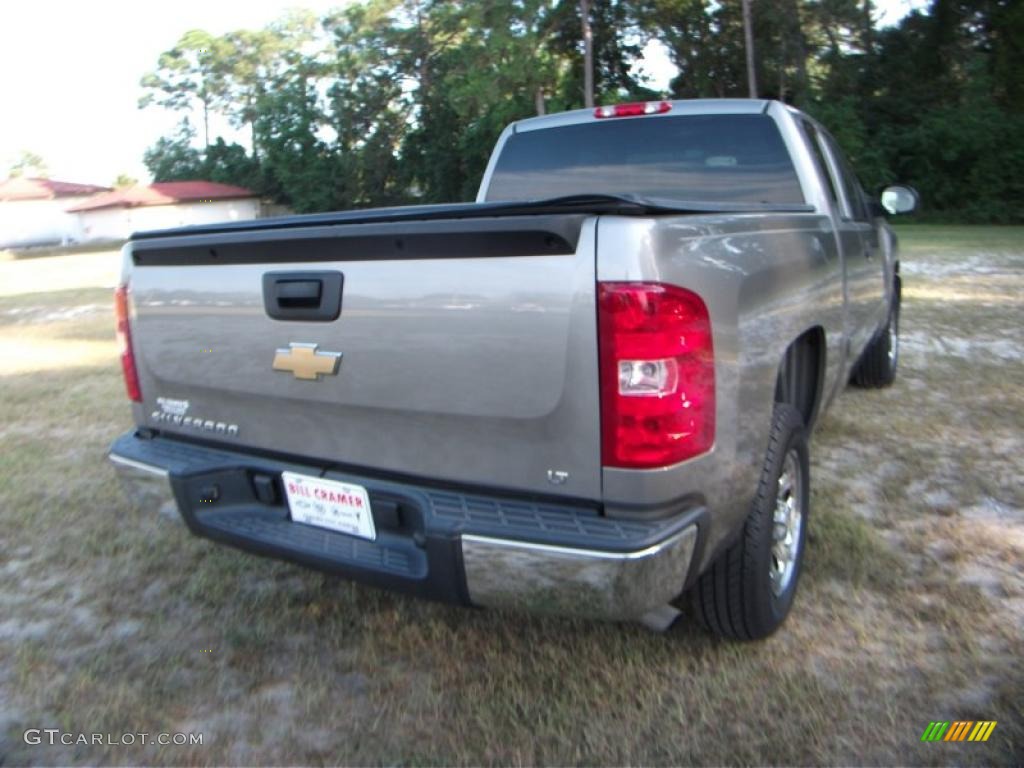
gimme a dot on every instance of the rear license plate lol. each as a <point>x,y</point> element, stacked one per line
<point>341,507</point>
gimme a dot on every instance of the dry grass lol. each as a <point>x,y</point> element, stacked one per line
<point>117,620</point>
<point>46,251</point>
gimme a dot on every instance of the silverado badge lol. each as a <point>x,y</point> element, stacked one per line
<point>305,362</point>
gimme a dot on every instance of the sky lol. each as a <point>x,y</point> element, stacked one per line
<point>69,75</point>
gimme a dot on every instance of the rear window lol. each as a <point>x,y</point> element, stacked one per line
<point>696,158</point>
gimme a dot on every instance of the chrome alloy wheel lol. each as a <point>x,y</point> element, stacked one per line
<point>788,523</point>
<point>894,339</point>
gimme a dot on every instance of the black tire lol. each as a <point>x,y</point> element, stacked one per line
<point>877,366</point>
<point>738,597</point>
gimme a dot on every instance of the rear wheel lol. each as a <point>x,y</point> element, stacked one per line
<point>748,591</point>
<point>877,366</point>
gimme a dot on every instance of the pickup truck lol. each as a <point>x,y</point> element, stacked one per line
<point>589,392</point>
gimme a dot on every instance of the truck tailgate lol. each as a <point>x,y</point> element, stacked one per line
<point>469,350</point>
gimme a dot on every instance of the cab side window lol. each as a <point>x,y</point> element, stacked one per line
<point>824,172</point>
<point>856,207</point>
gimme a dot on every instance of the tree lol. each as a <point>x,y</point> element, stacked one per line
<point>231,164</point>
<point>1005,30</point>
<point>377,61</point>
<point>704,40</point>
<point>497,62</point>
<point>192,73</point>
<point>588,54</point>
<point>251,60</point>
<point>28,163</point>
<point>123,180</point>
<point>615,46</point>
<point>299,167</point>
<point>173,158</point>
<point>392,101</point>
<point>748,47</point>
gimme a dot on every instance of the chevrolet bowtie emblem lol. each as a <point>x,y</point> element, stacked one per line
<point>305,362</point>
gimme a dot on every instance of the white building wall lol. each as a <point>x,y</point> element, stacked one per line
<point>119,223</point>
<point>39,222</point>
<point>105,224</point>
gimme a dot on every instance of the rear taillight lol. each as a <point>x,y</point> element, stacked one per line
<point>657,375</point>
<point>633,109</point>
<point>124,342</point>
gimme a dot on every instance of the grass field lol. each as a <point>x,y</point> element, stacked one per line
<point>116,620</point>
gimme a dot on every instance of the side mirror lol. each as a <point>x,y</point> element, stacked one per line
<point>899,199</point>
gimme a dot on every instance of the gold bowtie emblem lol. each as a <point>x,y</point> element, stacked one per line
<point>305,362</point>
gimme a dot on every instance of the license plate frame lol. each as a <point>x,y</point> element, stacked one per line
<point>332,505</point>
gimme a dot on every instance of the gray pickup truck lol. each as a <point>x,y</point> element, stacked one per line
<point>588,392</point>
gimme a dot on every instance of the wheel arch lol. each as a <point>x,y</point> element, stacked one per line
<point>801,377</point>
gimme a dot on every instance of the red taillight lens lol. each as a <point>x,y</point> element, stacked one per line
<point>657,375</point>
<point>124,342</point>
<point>633,109</point>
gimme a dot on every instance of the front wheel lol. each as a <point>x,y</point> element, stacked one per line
<point>748,591</point>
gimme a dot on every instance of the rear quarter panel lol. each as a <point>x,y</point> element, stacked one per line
<point>766,279</point>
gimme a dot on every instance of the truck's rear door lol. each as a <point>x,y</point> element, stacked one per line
<point>468,348</point>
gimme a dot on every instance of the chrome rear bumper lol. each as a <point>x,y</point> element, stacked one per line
<point>576,575</point>
<point>581,582</point>
<point>146,486</point>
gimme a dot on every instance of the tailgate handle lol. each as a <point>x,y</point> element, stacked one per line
<point>304,296</point>
<point>298,293</point>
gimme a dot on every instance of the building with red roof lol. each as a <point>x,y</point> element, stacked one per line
<point>20,188</point>
<point>115,214</point>
<point>33,211</point>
